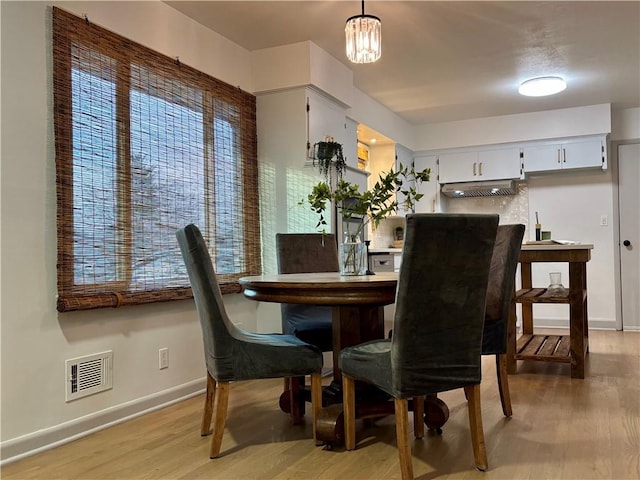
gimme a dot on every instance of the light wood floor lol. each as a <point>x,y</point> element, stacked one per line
<point>560,429</point>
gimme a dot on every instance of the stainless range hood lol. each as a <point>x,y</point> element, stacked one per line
<point>479,189</point>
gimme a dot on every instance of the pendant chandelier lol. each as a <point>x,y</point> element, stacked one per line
<point>364,38</point>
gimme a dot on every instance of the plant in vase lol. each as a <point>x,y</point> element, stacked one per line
<point>373,205</point>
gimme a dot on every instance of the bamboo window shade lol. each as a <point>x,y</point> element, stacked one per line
<point>146,145</point>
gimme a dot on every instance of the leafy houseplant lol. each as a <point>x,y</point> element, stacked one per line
<point>373,205</point>
<point>328,157</point>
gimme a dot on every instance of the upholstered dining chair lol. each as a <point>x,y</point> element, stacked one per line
<point>307,253</point>
<point>504,263</point>
<point>437,331</point>
<point>233,354</point>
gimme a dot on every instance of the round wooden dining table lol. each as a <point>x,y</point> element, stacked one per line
<point>358,316</point>
<point>357,301</point>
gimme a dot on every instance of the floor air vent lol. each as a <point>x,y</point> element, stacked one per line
<point>89,375</point>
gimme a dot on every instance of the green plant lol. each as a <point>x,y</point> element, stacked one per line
<point>328,157</point>
<point>373,205</point>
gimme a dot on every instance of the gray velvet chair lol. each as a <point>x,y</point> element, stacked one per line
<point>437,331</point>
<point>504,263</point>
<point>232,354</point>
<point>307,253</point>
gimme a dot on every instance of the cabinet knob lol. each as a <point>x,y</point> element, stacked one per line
<point>626,243</point>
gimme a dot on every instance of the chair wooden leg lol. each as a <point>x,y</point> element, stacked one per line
<point>349,412</point>
<point>418,417</point>
<point>316,402</point>
<point>286,384</point>
<point>475,426</point>
<point>295,397</point>
<point>503,384</point>
<point>205,426</point>
<point>402,437</point>
<point>221,404</point>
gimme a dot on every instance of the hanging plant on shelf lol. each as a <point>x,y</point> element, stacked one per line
<point>328,157</point>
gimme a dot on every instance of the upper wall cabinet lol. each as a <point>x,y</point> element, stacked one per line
<point>572,153</point>
<point>287,119</point>
<point>327,118</point>
<point>429,201</point>
<point>481,165</point>
<point>404,157</point>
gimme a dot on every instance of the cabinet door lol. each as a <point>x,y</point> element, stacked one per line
<point>350,148</point>
<point>542,158</point>
<point>429,202</point>
<point>458,167</point>
<point>582,154</point>
<point>404,157</point>
<point>326,118</point>
<point>499,164</point>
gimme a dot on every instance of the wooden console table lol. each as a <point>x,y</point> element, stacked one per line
<point>570,348</point>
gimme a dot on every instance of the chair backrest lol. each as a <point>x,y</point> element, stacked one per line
<point>217,329</point>
<point>307,252</point>
<point>504,263</point>
<point>440,303</point>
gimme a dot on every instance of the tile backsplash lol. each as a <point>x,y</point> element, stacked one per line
<point>512,208</point>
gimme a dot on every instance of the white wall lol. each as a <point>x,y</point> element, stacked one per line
<point>36,339</point>
<point>567,122</point>
<point>625,124</point>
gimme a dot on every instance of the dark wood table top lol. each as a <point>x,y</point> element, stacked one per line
<point>322,288</point>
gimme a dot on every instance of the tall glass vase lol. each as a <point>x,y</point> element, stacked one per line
<point>353,258</point>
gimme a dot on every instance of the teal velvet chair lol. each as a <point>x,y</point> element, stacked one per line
<point>307,253</point>
<point>233,354</point>
<point>437,330</point>
<point>500,289</point>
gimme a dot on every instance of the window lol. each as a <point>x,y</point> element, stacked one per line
<point>144,146</point>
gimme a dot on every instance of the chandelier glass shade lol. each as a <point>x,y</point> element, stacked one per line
<point>363,35</point>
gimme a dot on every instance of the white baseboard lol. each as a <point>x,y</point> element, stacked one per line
<point>594,323</point>
<point>45,439</point>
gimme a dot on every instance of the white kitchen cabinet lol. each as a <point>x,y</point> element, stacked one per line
<point>429,203</point>
<point>499,164</point>
<point>404,157</point>
<point>480,165</point>
<point>350,147</point>
<point>583,153</point>
<point>288,118</point>
<point>458,167</point>
<point>287,175</point>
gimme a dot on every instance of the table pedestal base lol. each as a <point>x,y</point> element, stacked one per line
<point>330,422</point>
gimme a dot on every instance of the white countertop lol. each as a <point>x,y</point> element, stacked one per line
<point>556,246</point>
<point>525,246</point>
<point>385,250</point>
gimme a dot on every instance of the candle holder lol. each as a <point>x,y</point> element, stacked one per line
<point>369,271</point>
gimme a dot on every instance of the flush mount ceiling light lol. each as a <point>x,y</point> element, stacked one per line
<point>542,86</point>
<point>364,38</point>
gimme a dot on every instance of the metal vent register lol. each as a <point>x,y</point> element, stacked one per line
<point>479,189</point>
<point>88,375</point>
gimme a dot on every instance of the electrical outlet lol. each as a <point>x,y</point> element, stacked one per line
<point>163,356</point>
<point>604,221</point>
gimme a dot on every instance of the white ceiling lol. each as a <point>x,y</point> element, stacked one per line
<point>446,61</point>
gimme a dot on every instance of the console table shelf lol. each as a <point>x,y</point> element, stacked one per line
<point>547,348</point>
<point>570,348</point>
<point>543,295</point>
